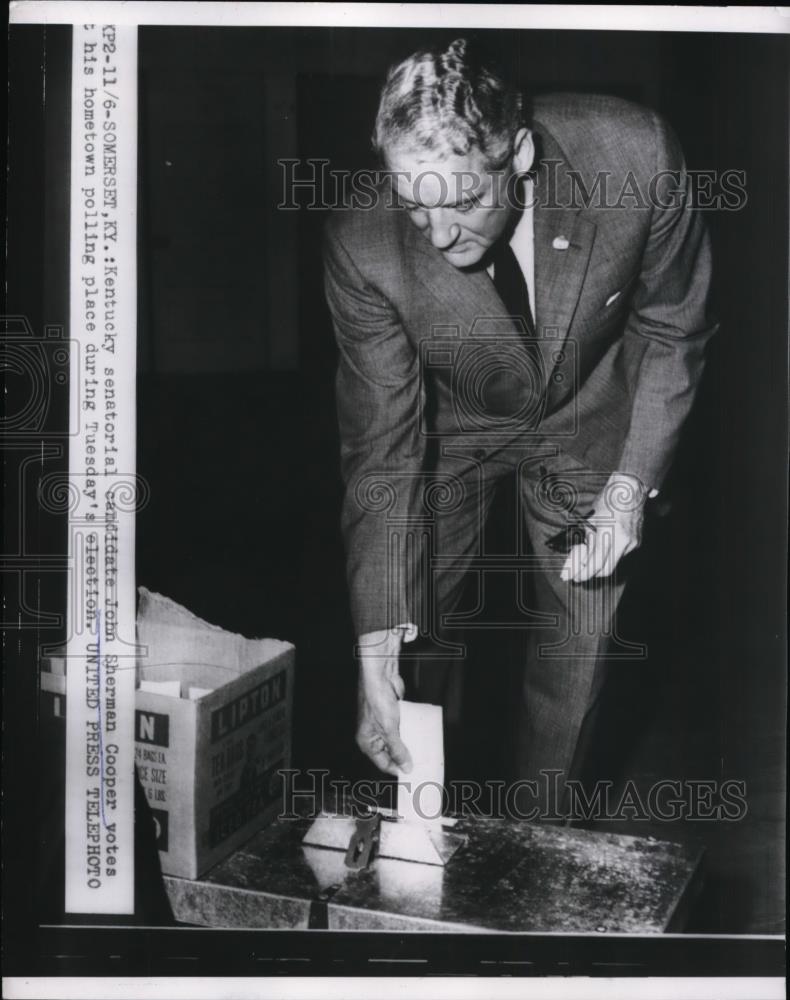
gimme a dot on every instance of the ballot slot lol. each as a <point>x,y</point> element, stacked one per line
<point>416,831</point>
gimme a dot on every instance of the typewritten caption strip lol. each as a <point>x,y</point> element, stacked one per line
<point>101,645</point>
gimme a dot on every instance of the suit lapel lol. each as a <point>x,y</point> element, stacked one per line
<point>563,243</point>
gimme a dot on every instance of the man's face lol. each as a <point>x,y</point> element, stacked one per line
<point>459,203</point>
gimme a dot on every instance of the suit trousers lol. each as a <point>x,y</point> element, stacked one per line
<point>563,631</point>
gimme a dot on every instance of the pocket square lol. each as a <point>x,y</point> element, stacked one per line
<point>612,298</point>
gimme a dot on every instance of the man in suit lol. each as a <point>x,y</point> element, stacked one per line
<point>524,301</point>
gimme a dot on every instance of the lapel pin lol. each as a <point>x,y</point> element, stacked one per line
<point>560,243</point>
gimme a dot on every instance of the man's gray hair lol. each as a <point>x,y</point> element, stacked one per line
<point>448,101</point>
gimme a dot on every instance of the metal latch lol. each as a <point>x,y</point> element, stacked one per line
<point>363,841</point>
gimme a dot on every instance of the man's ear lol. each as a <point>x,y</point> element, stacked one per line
<point>523,151</point>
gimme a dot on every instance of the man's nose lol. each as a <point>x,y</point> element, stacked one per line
<point>443,234</point>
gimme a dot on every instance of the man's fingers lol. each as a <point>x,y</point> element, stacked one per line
<point>410,633</point>
<point>375,747</point>
<point>400,753</point>
<point>615,546</point>
<point>392,757</point>
<point>387,750</point>
<point>602,556</point>
<point>597,557</point>
<point>383,761</point>
<point>613,555</point>
<point>587,557</point>
<point>576,565</point>
<point>577,557</point>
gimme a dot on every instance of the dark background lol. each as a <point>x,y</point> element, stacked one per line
<point>237,432</point>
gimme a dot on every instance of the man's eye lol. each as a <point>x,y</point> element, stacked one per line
<point>466,206</point>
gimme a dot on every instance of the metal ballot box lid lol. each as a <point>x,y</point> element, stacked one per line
<point>510,876</point>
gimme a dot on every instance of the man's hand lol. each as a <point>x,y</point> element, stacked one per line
<point>380,689</point>
<point>614,530</point>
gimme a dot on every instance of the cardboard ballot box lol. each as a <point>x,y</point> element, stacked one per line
<point>213,717</point>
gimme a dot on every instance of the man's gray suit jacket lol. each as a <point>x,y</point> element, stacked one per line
<point>622,274</point>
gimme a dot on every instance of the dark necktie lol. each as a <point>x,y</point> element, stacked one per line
<point>509,281</point>
<point>515,391</point>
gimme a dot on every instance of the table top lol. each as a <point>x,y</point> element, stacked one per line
<point>510,876</point>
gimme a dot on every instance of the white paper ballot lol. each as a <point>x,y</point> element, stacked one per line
<point>420,792</point>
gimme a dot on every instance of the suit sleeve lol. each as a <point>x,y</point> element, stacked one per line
<point>669,324</point>
<point>378,389</point>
